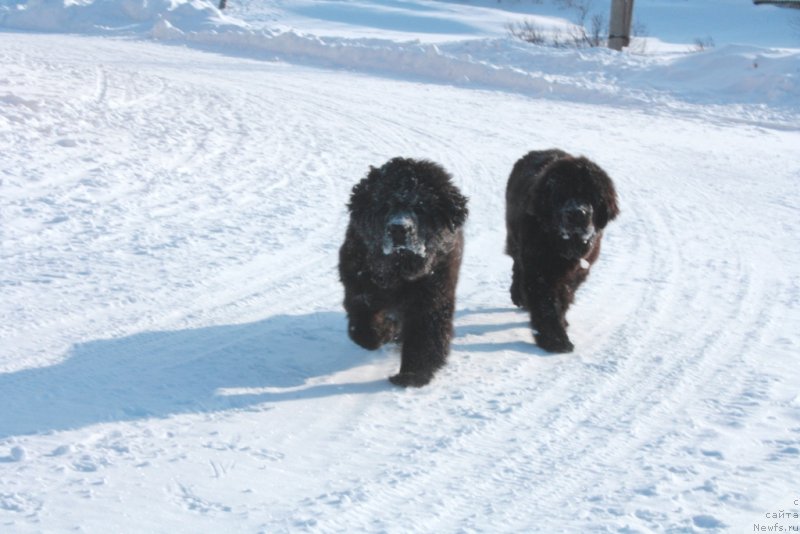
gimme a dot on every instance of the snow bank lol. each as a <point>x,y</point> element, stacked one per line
<point>110,16</point>
<point>731,74</point>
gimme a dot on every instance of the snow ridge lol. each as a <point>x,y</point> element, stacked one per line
<point>748,76</point>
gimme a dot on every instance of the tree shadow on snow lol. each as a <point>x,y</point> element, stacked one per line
<point>158,374</point>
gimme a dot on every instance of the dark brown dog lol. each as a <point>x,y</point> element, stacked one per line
<point>399,263</point>
<point>557,207</point>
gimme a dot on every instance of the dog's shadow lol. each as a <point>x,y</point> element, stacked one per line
<point>475,335</point>
<point>159,374</point>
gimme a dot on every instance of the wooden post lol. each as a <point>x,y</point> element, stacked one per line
<point>619,29</point>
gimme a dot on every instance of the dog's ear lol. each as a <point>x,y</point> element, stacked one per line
<point>605,203</point>
<point>539,202</point>
<point>455,208</point>
<point>448,204</point>
<point>362,191</point>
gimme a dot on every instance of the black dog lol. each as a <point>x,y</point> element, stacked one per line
<point>399,263</point>
<point>557,206</point>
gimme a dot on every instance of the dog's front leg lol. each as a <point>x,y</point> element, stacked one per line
<point>367,325</point>
<point>547,313</point>
<point>427,331</point>
<point>517,295</point>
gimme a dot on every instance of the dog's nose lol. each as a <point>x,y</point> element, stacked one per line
<point>578,216</point>
<point>398,233</point>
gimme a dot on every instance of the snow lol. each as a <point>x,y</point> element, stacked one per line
<point>173,349</point>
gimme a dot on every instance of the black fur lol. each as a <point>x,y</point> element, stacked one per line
<point>557,207</point>
<point>399,263</point>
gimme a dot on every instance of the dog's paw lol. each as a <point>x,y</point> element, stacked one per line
<point>416,380</point>
<point>365,337</point>
<point>515,297</point>
<point>381,330</point>
<point>560,344</point>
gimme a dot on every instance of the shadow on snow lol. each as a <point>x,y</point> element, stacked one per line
<point>158,374</point>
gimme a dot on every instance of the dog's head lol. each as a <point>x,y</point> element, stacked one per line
<point>574,199</point>
<point>408,213</point>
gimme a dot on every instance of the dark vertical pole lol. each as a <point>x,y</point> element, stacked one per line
<point>619,29</point>
<point>628,21</point>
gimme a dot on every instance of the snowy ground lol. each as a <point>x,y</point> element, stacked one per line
<point>173,355</point>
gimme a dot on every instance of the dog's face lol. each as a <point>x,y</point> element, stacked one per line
<point>575,200</point>
<point>408,214</point>
<point>575,220</point>
<point>405,243</point>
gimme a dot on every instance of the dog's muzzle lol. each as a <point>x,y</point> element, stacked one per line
<point>575,222</point>
<point>400,235</point>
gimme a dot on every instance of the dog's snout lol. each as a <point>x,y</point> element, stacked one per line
<point>398,232</point>
<point>578,216</point>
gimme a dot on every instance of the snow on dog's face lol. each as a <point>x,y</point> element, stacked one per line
<point>408,215</point>
<point>575,199</point>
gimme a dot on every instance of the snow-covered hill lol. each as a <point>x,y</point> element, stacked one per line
<point>173,354</point>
